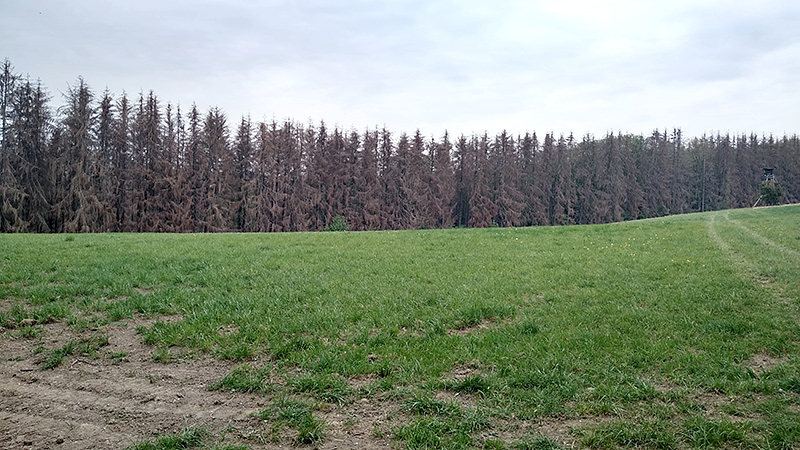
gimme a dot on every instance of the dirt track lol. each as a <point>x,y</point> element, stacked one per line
<point>94,403</point>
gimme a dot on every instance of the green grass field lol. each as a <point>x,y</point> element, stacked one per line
<point>632,326</point>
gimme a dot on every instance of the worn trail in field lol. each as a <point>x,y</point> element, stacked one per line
<point>742,264</point>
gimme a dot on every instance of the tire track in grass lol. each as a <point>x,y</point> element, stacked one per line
<point>761,238</point>
<point>747,267</point>
<point>743,265</point>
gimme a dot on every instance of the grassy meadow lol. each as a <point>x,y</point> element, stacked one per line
<point>631,326</point>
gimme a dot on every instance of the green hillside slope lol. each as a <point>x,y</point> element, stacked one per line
<point>631,327</point>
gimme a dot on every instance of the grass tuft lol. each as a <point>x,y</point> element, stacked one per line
<point>329,388</point>
<point>244,378</point>
<point>439,424</point>
<point>292,346</point>
<point>310,430</point>
<point>299,415</point>
<point>432,433</point>
<point>704,433</point>
<point>87,346</point>
<point>420,403</point>
<point>536,443</point>
<point>472,384</point>
<point>528,328</point>
<point>653,434</point>
<point>189,438</point>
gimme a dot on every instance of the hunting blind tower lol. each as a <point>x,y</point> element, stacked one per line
<point>769,193</point>
<point>769,176</point>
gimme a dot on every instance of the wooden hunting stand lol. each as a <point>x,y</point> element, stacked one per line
<point>767,180</point>
<point>769,176</point>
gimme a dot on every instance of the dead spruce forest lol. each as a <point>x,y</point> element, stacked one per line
<point>101,163</point>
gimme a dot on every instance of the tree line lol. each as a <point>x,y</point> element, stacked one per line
<point>103,164</point>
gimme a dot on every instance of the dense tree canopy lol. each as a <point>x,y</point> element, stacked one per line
<point>100,163</point>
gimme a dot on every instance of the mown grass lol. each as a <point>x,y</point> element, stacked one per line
<point>628,323</point>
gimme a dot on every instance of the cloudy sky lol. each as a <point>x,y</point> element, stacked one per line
<point>586,66</point>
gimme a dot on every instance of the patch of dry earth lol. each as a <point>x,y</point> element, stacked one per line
<point>93,403</point>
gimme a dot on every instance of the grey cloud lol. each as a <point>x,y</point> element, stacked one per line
<point>433,64</point>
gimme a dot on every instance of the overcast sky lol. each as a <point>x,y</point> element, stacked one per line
<point>585,66</point>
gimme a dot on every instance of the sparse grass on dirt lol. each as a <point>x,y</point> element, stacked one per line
<point>298,415</point>
<point>678,332</point>
<point>190,438</point>
<point>87,346</point>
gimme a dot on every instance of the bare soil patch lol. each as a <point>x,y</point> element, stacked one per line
<point>5,304</point>
<point>461,371</point>
<point>711,401</point>
<point>466,330</point>
<point>227,330</point>
<point>114,401</point>
<point>763,362</point>
<point>465,401</point>
<point>143,290</point>
<point>563,431</point>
